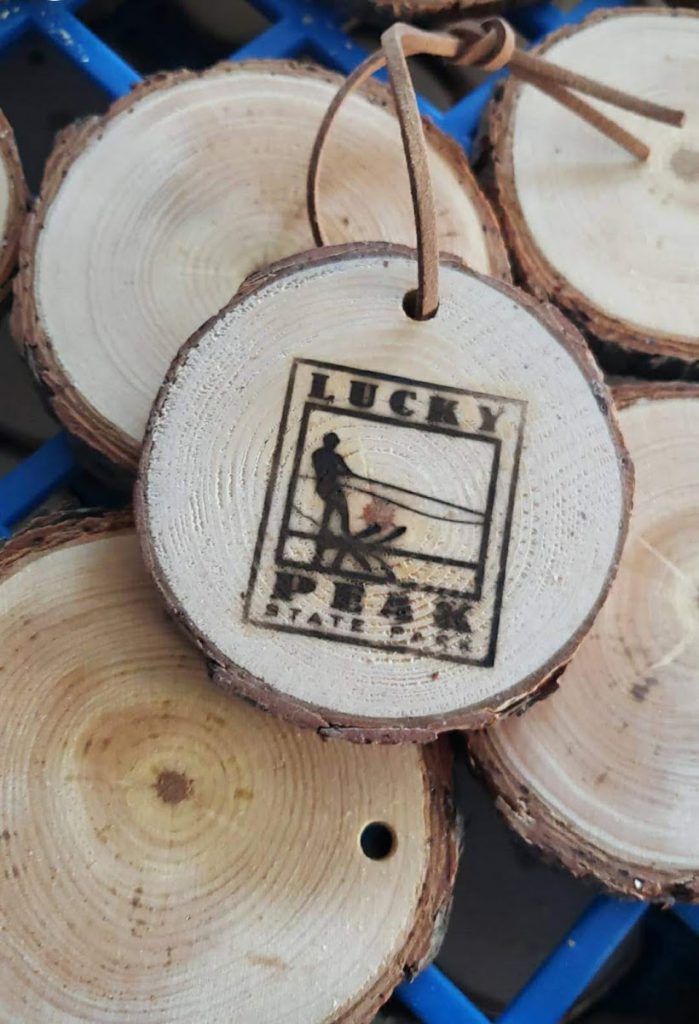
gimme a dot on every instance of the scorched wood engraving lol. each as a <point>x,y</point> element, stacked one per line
<point>357,543</point>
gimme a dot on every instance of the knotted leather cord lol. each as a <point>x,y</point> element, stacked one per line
<point>489,45</point>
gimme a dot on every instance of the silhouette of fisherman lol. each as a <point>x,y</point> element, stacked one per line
<point>329,468</point>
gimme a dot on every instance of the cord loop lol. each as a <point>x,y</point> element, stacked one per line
<point>491,45</point>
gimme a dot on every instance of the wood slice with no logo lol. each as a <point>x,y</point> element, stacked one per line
<point>376,526</point>
<point>603,775</point>
<point>13,202</point>
<point>167,854</point>
<point>610,238</point>
<point>179,192</point>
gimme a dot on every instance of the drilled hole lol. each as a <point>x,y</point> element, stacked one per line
<point>377,840</point>
<point>410,306</point>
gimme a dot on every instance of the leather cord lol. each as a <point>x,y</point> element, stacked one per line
<point>490,45</point>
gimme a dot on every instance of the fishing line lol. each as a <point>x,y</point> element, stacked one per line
<point>408,508</point>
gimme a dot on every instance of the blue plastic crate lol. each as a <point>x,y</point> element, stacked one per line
<point>300,26</point>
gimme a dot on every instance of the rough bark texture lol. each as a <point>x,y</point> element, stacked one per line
<point>537,824</point>
<point>326,720</point>
<point>111,445</point>
<point>622,346</point>
<point>142,728</point>
<point>540,823</point>
<point>17,199</point>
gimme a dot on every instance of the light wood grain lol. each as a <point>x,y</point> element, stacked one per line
<point>604,774</point>
<point>168,855</point>
<point>610,238</point>
<point>211,495</point>
<point>184,188</point>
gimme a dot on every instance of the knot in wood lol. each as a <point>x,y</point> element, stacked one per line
<point>173,787</point>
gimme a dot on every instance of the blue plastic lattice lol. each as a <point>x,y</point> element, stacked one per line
<point>303,26</point>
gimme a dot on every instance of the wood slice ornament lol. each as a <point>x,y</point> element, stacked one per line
<point>610,238</point>
<point>169,855</point>
<point>13,202</point>
<point>603,775</point>
<point>172,198</point>
<point>384,512</point>
<point>376,525</point>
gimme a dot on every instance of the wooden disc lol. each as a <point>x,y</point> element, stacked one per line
<point>379,525</point>
<point>610,238</point>
<point>168,854</point>
<point>605,773</point>
<point>13,202</point>
<point>181,190</point>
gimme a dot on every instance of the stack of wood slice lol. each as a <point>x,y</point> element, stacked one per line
<point>485,491</point>
<point>604,775</point>
<point>13,202</point>
<point>611,239</point>
<point>169,854</point>
<point>424,12</point>
<point>150,217</point>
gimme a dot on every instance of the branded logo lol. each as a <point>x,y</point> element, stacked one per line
<point>387,515</point>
